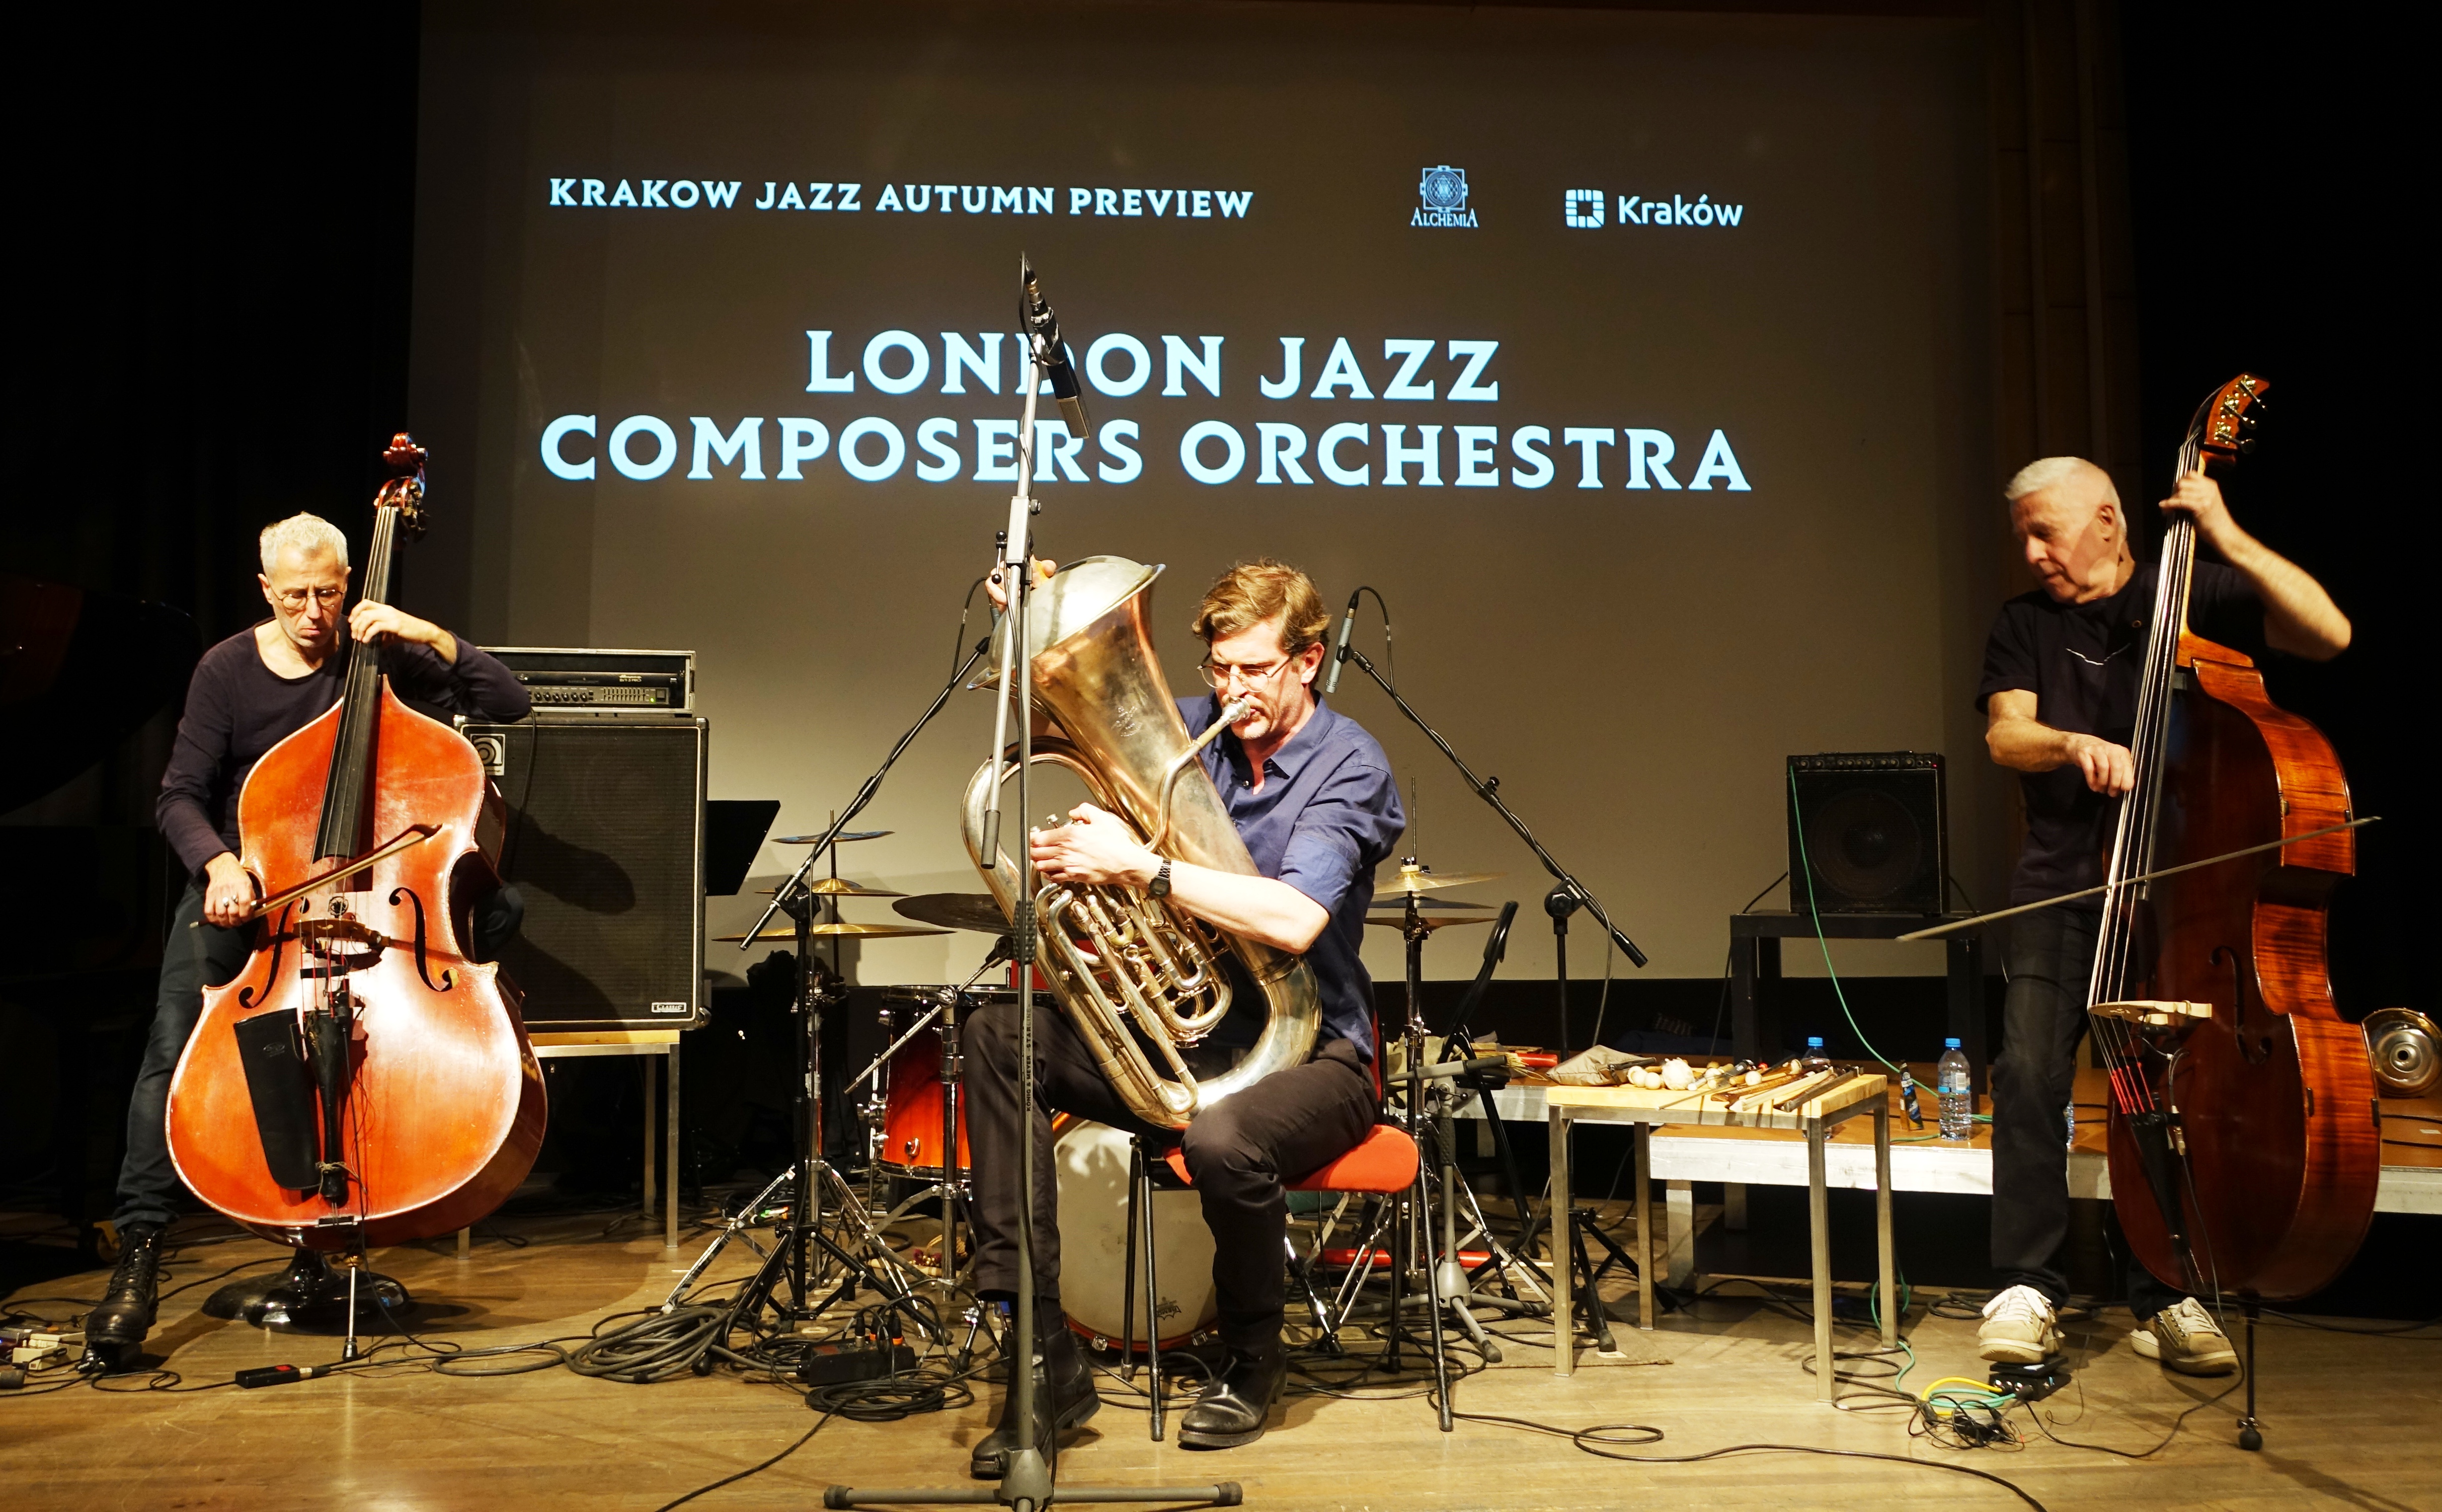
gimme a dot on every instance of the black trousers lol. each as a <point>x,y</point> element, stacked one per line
<point>2051,958</point>
<point>192,960</point>
<point>1237,1152</point>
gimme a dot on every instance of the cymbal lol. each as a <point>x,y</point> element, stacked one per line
<point>841,888</point>
<point>1429,906</point>
<point>807,840</point>
<point>1424,878</point>
<point>818,931</point>
<point>1399,921</point>
<point>956,910</point>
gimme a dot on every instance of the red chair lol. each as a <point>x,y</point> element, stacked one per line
<point>1383,1165</point>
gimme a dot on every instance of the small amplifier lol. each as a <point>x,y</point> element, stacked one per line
<point>580,680</point>
<point>1872,831</point>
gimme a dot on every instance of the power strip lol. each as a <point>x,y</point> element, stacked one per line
<point>832,1367</point>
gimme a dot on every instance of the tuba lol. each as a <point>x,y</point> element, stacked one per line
<point>1130,969</point>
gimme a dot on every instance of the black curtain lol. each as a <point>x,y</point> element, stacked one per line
<point>214,216</point>
<point>2272,167</point>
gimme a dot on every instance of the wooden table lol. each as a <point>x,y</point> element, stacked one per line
<point>1815,1119</point>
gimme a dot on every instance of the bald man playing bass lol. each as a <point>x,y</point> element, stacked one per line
<point>2059,696</point>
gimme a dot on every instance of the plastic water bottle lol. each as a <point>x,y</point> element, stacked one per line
<point>1816,1060</point>
<point>2068,1116</point>
<point>1958,1104</point>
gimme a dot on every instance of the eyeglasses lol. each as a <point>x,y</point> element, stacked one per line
<point>1217,677</point>
<point>294,598</point>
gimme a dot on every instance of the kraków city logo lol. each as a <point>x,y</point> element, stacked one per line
<point>1442,199</point>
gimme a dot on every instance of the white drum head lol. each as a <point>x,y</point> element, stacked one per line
<point>1093,1173</point>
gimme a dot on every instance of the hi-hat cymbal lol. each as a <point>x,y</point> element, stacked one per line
<point>956,910</point>
<point>1424,878</point>
<point>866,931</point>
<point>1399,921</point>
<point>841,888</point>
<point>807,840</point>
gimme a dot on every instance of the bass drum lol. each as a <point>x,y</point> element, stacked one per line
<point>1092,1162</point>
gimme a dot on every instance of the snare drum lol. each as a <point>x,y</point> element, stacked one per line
<point>1092,1161</point>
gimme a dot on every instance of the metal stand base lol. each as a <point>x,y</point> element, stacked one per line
<point>311,1296</point>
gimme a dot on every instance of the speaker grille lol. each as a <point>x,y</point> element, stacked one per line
<point>1873,832</point>
<point>603,836</point>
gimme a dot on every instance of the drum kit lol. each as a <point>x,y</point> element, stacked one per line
<point>917,1144</point>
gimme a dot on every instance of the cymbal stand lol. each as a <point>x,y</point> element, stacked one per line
<point>791,1260</point>
<point>1488,789</point>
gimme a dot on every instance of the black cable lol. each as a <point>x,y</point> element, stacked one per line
<point>2238,1379</point>
<point>756,1469</point>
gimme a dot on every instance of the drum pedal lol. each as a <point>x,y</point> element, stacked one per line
<point>2031,1383</point>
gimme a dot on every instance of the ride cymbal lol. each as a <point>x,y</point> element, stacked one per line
<point>837,840</point>
<point>818,931</point>
<point>1415,879</point>
<point>1399,921</point>
<point>956,910</point>
<point>841,888</point>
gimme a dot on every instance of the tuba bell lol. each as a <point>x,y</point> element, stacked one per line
<point>1130,969</point>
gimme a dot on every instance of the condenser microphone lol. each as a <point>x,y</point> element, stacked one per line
<point>1042,330</point>
<point>1340,656</point>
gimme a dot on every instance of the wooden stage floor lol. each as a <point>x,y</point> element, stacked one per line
<point>2350,1420</point>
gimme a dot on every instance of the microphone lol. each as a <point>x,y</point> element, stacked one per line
<point>1041,329</point>
<point>1340,657</point>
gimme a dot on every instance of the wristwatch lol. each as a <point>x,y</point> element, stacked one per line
<point>1160,887</point>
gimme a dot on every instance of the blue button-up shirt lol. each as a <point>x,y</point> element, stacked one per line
<point>1327,815</point>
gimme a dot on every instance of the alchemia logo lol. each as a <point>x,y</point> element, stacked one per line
<point>1442,199</point>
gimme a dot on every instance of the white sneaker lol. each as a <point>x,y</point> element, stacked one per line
<point>2018,1328</point>
<point>2185,1338</point>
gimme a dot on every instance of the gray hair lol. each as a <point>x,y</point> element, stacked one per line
<point>2046,472</point>
<point>307,535</point>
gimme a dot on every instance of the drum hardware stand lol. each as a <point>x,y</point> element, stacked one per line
<point>1488,789</point>
<point>801,1234</point>
<point>1025,1482</point>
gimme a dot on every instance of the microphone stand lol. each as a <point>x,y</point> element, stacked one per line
<point>1488,789</point>
<point>1026,1482</point>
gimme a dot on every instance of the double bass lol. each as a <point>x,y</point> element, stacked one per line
<point>360,1082</point>
<point>2244,1125</point>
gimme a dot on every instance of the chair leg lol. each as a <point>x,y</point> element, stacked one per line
<point>1128,1294</point>
<point>1152,1292</point>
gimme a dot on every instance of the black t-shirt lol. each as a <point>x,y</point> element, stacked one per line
<point>2082,662</point>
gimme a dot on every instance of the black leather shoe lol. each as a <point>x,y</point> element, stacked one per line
<point>1233,1406</point>
<point>1064,1397</point>
<point>118,1324</point>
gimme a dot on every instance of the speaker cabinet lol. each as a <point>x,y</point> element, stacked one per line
<point>602,833</point>
<point>1871,829</point>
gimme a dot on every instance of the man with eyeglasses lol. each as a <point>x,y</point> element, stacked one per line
<point>249,693</point>
<point>1314,800</point>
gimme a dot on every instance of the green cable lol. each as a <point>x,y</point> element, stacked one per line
<point>1822,943</point>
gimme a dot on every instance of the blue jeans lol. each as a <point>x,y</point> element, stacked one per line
<point>149,1188</point>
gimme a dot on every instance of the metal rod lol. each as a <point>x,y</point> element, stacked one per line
<point>1640,1203</point>
<point>1565,1317</point>
<point>1818,1223</point>
<point>1883,1258</point>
